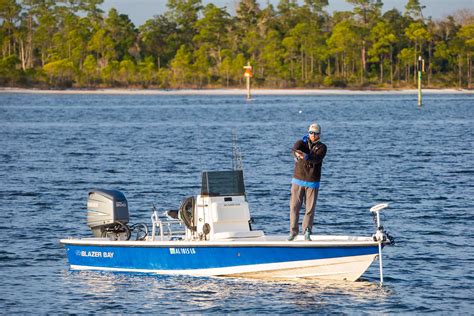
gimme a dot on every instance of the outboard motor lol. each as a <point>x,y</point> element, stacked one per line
<point>107,214</point>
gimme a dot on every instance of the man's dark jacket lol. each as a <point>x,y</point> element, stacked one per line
<point>309,168</point>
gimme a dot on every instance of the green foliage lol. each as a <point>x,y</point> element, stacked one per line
<point>8,70</point>
<point>237,69</point>
<point>121,32</point>
<point>414,9</point>
<point>147,71</point>
<point>417,32</point>
<point>294,44</point>
<point>466,34</point>
<point>164,78</point>
<point>60,72</point>
<point>127,72</point>
<point>184,13</point>
<point>273,58</point>
<point>158,37</point>
<point>211,39</point>
<point>89,68</point>
<point>110,73</point>
<point>343,38</point>
<point>181,67</point>
<point>225,71</point>
<point>102,45</point>
<point>328,81</point>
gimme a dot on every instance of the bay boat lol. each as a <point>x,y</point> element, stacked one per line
<point>211,235</point>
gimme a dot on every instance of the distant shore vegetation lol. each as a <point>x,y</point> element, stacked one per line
<point>294,44</point>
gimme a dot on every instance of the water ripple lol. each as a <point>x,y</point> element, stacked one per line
<point>381,148</point>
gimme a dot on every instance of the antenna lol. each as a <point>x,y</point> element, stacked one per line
<point>236,154</point>
<point>200,152</point>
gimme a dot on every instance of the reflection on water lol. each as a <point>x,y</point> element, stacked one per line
<point>197,294</point>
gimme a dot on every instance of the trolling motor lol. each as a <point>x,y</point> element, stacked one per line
<point>380,236</point>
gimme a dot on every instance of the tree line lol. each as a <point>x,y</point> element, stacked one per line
<point>73,43</point>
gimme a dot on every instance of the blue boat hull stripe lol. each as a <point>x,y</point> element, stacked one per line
<point>186,258</point>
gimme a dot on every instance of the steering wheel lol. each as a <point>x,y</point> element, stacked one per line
<point>186,212</point>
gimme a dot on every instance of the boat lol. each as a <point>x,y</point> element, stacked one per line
<point>211,235</point>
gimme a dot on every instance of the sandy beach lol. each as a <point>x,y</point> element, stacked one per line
<point>235,91</point>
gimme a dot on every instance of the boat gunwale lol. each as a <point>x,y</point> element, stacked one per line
<point>219,244</point>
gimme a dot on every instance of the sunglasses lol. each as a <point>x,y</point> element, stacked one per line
<point>313,133</point>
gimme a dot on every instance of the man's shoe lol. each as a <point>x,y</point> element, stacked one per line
<point>307,235</point>
<point>291,237</point>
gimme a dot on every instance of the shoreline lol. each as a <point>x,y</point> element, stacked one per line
<point>235,91</point>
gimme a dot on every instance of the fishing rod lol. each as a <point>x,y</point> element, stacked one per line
<point>236,153</point>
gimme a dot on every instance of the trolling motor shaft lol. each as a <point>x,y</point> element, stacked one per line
<point>380,236</point>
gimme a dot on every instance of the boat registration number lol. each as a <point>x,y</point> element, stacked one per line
<point>182,251</point>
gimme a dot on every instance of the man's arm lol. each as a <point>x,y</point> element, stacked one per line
<point>317,156</point>
<point>296,151</point>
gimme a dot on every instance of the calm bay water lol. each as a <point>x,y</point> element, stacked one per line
<point>381,148</point>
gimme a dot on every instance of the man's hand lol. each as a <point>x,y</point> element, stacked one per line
<point>299,154</point>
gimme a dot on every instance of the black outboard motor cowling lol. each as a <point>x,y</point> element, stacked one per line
<point>106,209</point>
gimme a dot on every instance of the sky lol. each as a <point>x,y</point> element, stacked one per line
<point>141,10</point>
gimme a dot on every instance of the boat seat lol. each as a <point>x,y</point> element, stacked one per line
<point>234,235</point>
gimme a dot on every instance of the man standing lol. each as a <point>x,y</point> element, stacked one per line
<point>309,153</point>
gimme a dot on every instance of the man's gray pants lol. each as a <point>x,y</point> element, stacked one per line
<point>298,195</point>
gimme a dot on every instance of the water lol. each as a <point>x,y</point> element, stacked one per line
<point>55,148</point>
